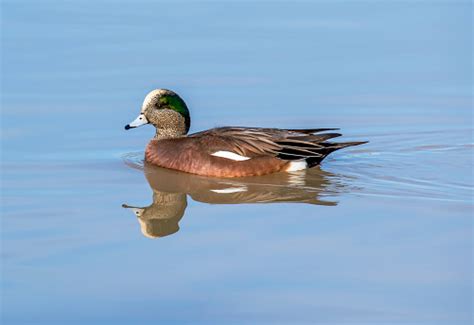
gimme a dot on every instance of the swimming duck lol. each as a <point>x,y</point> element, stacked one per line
<point>227,151</point>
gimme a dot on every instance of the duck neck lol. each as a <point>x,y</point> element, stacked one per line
<point>168,134</point>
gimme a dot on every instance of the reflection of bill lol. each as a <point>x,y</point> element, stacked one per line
<point>170,190</point>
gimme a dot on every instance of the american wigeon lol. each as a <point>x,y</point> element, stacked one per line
<point>227,151</point>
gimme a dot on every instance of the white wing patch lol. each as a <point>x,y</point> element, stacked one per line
<point>229,155</point>
<point>297,165</point>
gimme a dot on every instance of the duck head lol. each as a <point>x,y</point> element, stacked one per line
<point>166,111</point>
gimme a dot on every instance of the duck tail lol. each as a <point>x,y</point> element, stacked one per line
<point>330,147</point>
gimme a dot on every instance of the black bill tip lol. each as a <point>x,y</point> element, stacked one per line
<point>127,127</point>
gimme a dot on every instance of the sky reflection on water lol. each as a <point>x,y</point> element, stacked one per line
<point>388,238</point>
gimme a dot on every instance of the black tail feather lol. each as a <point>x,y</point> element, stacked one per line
<point>330,147</point>
<point>311,131</point>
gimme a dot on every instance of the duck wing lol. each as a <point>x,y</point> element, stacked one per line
<point>286,144</point>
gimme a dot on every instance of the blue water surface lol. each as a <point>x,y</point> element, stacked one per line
<point>392,246</point>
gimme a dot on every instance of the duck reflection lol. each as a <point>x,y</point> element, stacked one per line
<point>171,188</point>
<point>161,218</point>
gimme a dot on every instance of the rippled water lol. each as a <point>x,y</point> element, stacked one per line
<point>380,233</point>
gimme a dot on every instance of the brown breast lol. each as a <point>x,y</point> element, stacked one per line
<point>193,156</point>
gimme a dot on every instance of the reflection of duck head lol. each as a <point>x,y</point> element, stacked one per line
<point>161,218</point>
<point>171,187</point>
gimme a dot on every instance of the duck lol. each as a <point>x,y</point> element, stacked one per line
<point>230,151</point>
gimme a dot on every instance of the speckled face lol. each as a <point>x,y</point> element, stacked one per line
<point>166,111</point>
<point>163,99</point>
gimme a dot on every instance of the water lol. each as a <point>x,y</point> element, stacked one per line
<point>380,233</point>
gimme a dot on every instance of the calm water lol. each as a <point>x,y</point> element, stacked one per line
<point>380,233</point>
